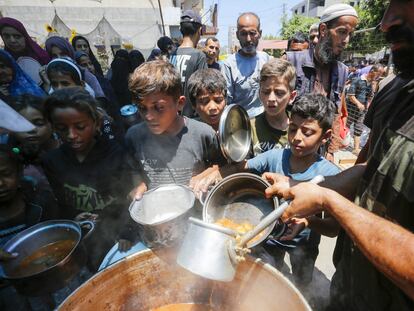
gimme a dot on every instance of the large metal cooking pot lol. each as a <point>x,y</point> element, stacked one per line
<point>162,213</point>
<point>34,238</point>
<point>241,198</point>
<point>151,279</point>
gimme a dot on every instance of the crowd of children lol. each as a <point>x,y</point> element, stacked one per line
<point>80,162</point>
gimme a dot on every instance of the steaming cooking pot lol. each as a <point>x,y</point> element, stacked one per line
<point>150,279</point>
<point>38,237</point>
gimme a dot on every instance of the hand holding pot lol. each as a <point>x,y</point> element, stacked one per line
<point>294,227</point>
<point>200,183</point>
<point>307,199</point>
<point>279,184</point>
<point>138,192</point>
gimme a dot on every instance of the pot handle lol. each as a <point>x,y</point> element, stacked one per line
<point>90,227</point>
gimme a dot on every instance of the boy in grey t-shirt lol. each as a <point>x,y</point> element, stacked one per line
<point>167,147</point>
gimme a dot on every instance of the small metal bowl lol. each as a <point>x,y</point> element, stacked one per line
<point>241,198</point>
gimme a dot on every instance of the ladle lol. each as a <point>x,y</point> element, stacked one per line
<point>214,252</point>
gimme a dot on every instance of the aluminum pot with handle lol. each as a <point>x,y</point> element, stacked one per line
<point>44,274</point>
<point>162,213</point>
<point>219,260</point>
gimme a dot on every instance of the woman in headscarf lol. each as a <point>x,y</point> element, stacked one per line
<point>81,44</point>
<point>59,47</point>
<point>13,80</point>
<point>135,59</point>
<point>111,105</point>
<point>18,42</point>
<point>120,75</point>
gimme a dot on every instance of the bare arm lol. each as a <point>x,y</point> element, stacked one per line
<point>388,246</point>
<point>356,102</point>
<point>344,183</point>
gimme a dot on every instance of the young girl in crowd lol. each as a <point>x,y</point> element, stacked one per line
<point>32,145</point>
<point>13,80</point>
<point>64,73</point>
<point>59,47</point>
<point>81,44</point>
<point>87,171</point>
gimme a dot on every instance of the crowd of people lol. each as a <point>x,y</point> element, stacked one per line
<point>80,143</point>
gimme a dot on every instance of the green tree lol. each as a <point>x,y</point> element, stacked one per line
<point>295,24</point>
<point>366,40</point>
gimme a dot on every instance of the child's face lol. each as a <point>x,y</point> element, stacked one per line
<point>85,62</point>
<point>6,73</point>
<point>42,131</point>
<point>59,80</point>
<point>76,128</point>
<point>9,180</point>
<point>160,112</point>
<point>305,136</point>
<point>210,107</point>
<point>275,95</point>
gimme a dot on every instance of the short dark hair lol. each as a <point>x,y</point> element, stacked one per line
<point>189,28</point>
<point>72,97</point>
<point>376,68</point>
<point>24,101</point>
<point>299,37</point>
<point>155,76</point>
<point>214,39</point>
<point>316,107</point>
<point>208,79</point>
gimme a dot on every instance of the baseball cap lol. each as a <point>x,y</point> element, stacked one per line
<point>190,16</point>
<point>337,10</point>
<point>11,120</point>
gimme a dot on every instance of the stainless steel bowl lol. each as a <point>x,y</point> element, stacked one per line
<point>162,213</point>
<point>240,197</point>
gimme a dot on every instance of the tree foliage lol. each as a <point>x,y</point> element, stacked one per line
<point>370,13</point>
<point>297,23</point>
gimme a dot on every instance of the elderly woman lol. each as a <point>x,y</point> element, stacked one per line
<point>18,42</point>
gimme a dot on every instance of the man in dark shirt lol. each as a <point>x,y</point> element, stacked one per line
<point>374,252</point>
<point>187,59</point>
<point>212,50</point>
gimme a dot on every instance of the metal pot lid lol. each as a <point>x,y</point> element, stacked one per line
<point>234,133</point>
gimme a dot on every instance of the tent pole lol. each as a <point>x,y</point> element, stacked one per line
<point>162,18</point>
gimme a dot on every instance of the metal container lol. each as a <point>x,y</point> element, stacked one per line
<point>210,248</point>
<point>150,279</point>
<point>32,239</point>
<point>234,133</point>
<point>241,198</point>
<point>162,213</point>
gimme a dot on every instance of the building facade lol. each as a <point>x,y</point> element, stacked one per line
<point>315,8</point>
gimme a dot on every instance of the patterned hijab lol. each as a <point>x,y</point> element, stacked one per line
<point>32,50</point>
<point>22,83</point>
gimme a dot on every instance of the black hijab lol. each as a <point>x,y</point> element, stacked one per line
<point>95,63</point>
